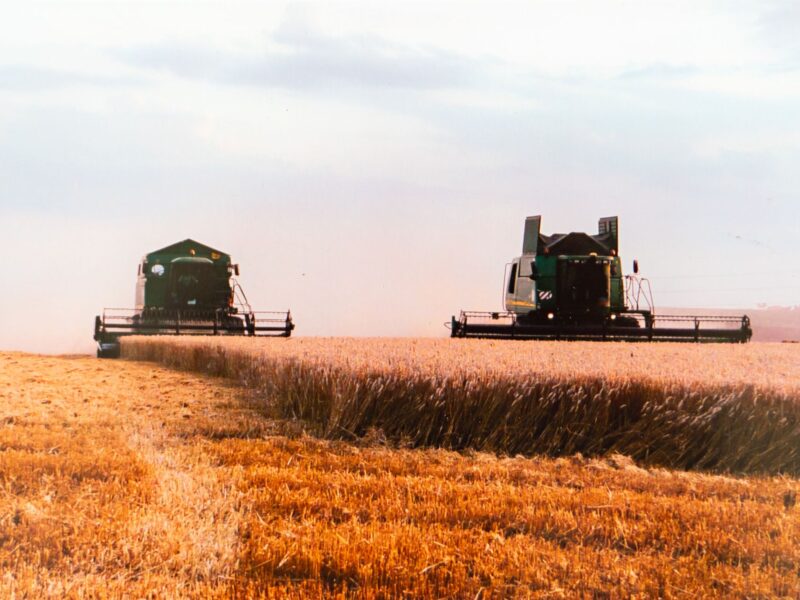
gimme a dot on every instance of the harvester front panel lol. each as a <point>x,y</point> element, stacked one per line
<point>577,285</point>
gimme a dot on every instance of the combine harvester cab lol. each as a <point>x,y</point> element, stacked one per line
<point>187,288</point>
<point>571,287</point>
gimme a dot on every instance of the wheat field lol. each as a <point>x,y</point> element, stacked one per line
<point>128,479</point>
<point>722,408</point>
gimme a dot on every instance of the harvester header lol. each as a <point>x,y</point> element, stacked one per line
<point>571,286</point>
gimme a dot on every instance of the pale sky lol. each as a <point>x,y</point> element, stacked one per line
<point>370,164</point>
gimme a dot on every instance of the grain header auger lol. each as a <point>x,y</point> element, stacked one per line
<point>571,287</point>
<point>187,288</point>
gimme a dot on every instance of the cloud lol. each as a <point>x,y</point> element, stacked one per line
<point>299,58</point>
<point>660,71</point>
<point>28,78</point>
<point>777,28</point>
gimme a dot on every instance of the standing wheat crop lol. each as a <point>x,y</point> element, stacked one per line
<point>718,408</point>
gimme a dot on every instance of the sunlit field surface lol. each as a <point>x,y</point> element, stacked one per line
<point>721,408</point>
<point>128,479</point>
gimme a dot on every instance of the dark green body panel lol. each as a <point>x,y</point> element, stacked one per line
<point>547,281</point>
<point>208,270</point>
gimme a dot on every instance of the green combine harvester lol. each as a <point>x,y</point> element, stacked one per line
<point>187,288</point>
<point>571,287</point>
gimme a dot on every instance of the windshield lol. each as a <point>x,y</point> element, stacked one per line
<point>193,284</point>
<point>584,285</point>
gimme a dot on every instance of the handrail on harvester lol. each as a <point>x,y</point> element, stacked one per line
<point>240,296</point>
<point>638,289</point>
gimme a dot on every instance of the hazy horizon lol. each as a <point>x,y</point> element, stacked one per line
<point>370,166</point>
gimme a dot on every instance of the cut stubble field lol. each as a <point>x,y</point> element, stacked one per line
<point>124,478</point>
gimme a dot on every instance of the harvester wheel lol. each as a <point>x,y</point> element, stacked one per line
<point>108,350</point>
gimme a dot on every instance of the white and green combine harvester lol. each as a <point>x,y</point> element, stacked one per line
<point>571,287</point>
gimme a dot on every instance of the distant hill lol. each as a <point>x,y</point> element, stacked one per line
<point>770,324</point>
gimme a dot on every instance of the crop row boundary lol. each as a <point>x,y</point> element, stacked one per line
<point>717,428</point>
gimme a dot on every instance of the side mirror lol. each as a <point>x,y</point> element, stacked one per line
<point>635,266</point>
<point>534,273</point>
<point>236,270</point>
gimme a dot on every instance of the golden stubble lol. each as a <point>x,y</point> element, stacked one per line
<point>125,479</point>
<point>99,495</point>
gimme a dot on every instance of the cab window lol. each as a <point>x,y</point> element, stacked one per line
<point>512,280</point>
